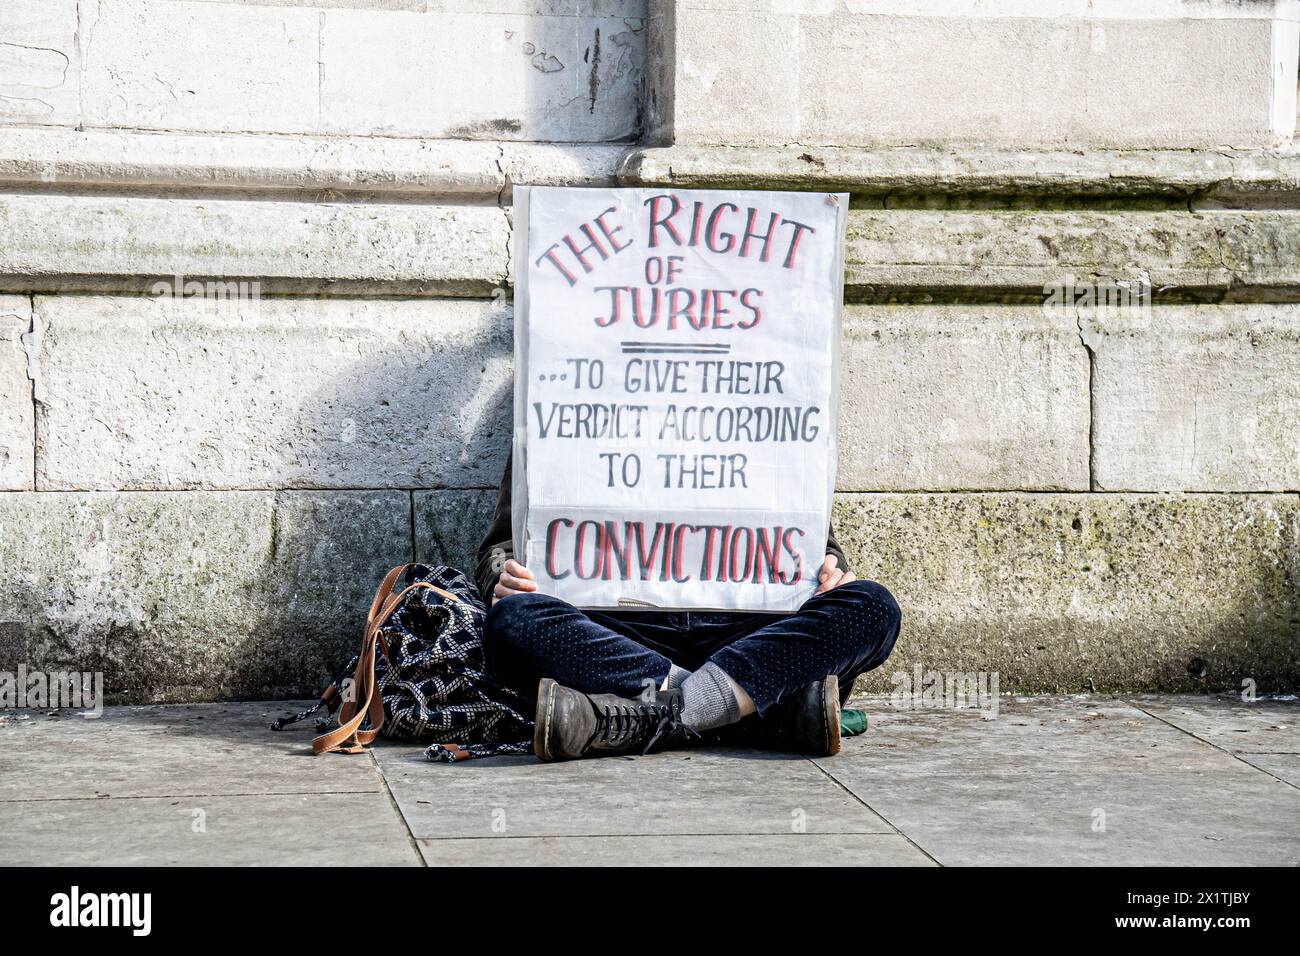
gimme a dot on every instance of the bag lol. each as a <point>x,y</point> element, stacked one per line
<point>420,676</point>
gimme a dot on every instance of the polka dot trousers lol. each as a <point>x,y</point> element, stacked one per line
<point>845,631</point>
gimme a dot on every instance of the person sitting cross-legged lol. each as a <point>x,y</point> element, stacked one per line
<point>625,681</point>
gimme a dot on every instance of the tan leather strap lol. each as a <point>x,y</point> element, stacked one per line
<point>348,737</point>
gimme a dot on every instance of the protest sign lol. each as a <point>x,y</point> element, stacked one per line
<point>676,383</point>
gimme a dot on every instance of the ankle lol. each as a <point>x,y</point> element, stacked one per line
<point>709,699</point>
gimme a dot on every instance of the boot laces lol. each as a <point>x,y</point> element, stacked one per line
<point>627,723</point>
<point>669,724</point>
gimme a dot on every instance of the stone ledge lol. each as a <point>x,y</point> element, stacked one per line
<point>1203,177</point>
<point>404,218</point>
<point>948,255</point>
<point>160,162</point>
<point>61,243</point>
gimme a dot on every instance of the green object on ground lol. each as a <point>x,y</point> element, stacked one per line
<point>853,722</point>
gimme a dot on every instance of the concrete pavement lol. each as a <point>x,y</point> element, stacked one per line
<point>1183,780</point>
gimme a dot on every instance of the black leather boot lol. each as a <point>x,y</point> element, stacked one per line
<point>807,722</point>
<point>571,724</point>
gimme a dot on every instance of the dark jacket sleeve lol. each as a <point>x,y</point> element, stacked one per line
<point>498,544</point>
<point>833,547</point>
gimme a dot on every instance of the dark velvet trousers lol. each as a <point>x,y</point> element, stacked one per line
<point>845,631</point>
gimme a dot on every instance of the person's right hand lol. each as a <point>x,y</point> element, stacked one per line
<point>514,579</point>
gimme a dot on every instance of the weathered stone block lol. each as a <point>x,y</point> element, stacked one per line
<point>196,594</point>
<point>39,66</point>
<point>17,432</point>
<point>742,91</point>
<point>1087,592</point>
<point>158,64</point>
<point>52,243</point>
<point>1263,251</point>
<point>953,397</point>
<point>813,73</point>
<point>449,525</point>
<point>272,393</point>
<point>1197,398</point>
<point>499,75</point>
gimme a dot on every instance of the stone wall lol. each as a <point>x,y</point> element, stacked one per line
<point>198,495</point>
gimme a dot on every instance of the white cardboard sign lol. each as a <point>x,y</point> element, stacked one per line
<point>676,357</point>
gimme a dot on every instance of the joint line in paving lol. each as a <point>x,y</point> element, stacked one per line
<point>1211,743</point>
<point>920,849</point>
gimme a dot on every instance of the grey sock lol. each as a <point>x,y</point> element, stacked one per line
<point>707,699</point>
<point>676,675</point>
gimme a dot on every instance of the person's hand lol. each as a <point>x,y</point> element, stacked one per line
<point>514,579</point>
<point>830,576</point>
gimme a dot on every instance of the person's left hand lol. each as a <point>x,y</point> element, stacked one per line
<point>830,576</point>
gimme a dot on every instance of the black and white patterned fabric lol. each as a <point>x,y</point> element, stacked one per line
<point>432,680</point>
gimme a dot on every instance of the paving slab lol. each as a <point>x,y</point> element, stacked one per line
<point>1286,767</point>
<point>1077,780</point>
<point>1027,735</point>
<point>794,849</point>
<point>282,830</point>
<point>1265,725</point>
<point>1232,816</point>
<point>173,750</point>
<point>697,792</point>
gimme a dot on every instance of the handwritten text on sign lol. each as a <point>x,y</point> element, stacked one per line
<point>676,356</point>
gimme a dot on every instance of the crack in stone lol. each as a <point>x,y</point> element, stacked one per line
<point>30,342</point>
<point>506,186</point>
<point>1092,399</point>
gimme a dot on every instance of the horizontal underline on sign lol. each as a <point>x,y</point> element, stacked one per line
<point>673,352</point>
<point>699,348</point>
